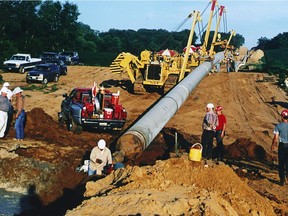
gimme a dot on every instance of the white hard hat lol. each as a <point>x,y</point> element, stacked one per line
<point>9,94</point>
<point>210,105</point>
<point>101,144</point>
<point>4,90</point>
<point>17,90</point>
<point>6,84</point>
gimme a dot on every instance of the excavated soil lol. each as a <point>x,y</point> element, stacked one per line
<point>160,181</point>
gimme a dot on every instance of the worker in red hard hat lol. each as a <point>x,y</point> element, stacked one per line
<point>100,157</point>
<point>209,125</point>
<point>281,136</point>
<point>220,133</point>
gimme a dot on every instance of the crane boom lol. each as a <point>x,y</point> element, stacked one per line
<point>216,31</point>
<point>204,47</point>
<point>197,17</point>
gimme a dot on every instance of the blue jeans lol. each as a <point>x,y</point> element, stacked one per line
<point>91,172</point>
<point>19,125</point>
<point>207,143</point>
<point>220,147</point>
<point>283,161</point>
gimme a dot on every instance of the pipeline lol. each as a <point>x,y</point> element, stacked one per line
<point>133,142</point>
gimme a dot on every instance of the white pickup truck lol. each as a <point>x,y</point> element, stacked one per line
<point>20,63</point>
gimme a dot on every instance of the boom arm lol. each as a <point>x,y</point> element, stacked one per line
<point>204,47</point>
<point>216,31</point>
<point>189,43</point>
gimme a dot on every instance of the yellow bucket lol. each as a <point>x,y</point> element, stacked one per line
<point>195,153</point>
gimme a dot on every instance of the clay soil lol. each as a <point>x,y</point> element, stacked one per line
<point>159,182</point>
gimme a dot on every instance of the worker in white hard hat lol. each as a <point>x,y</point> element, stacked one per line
<point>209,125</point>
<point>10,112</point>
<point>99,158</point>
<point>20,114</point>
<point>4,109</point>
<point>6,84</point>
<point>9,93</point>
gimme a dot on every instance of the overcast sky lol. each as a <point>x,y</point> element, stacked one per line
<point>252,19</point>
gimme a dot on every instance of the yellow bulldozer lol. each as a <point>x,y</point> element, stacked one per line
<point>162,70</point>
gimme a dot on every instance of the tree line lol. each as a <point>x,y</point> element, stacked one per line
<point>37,26</point>
<point>280,41</point>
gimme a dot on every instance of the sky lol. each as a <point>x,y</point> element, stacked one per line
<point>252,19</point>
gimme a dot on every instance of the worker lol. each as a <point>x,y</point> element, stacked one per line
<point>281,136</point>
<point>100,157</point>
<point>10,112</point>
<point>20,114</point>
<point>4,109</point>
<point>220,133</point>
<point>209,125</point>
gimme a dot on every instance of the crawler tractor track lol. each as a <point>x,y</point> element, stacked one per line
<point>170,83</point>
<point>138,86</point>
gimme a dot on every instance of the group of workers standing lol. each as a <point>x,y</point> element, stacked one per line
<point>214,126</point>
<point>8,107</point>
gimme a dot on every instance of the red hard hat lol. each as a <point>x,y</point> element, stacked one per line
<point>284,113</point>
<point>219,108</point>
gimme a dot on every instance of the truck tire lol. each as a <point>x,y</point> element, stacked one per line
<point>61,118</point>
<point>72,126</point>
<point>22,70</point>
<point>56,79</point>
<point>65,72</point>
<point>45,81</point>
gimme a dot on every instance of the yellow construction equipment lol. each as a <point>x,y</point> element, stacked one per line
<point>162,71</point>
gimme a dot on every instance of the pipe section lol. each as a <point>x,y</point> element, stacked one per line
<point>132,143</point>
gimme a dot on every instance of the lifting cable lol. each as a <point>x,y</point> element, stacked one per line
<point>182,23</point>
<point>225,21</point>
<point>186,19</point>
<point>203,28</point>
<point>176,29</point>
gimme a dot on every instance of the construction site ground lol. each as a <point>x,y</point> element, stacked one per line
<point>160,182</point>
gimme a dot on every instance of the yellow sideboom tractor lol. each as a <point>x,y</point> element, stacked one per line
<point>162,70</point>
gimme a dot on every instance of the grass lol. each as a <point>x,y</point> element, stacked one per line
<point>43,88</point>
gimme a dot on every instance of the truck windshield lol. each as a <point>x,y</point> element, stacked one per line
<point>67,53</point>
<point>18,58</point>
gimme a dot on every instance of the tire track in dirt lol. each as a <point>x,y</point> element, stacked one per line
<point>237,95</point>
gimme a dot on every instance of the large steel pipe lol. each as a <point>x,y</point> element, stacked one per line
<point>132,143</point>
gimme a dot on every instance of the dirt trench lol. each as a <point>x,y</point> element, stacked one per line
<point>62,151</point>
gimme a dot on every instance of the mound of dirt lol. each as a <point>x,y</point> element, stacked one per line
<point>255,56</point>
<point>173,187</point>
<point>246,149</point>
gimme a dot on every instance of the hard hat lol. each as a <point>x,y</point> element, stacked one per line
<point>6,84</point>
<point>219,108</point>
<point>17,90</point>
<point>284,114</point>
<point>4,90</point>
<point>210,105</point>
<point>101,144</point>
